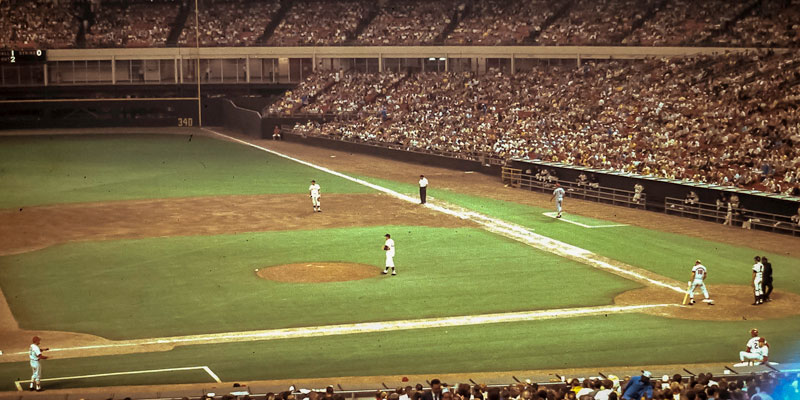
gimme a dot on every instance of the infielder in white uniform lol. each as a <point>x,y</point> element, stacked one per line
<point>759,355</point>
<point>388,247</point>
<point>558,194</point>
<point>699,274</point>
<point>314,193</point>
<point>758,279</point>
<point>36,355</point>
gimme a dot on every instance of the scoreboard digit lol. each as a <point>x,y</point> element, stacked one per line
<point>26,56</point>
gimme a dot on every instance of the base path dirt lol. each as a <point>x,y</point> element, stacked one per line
<point>318,272</point>
<point>731,303</point>
<point>31,228</point>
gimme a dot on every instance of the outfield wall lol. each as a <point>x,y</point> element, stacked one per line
<point>658,189</point>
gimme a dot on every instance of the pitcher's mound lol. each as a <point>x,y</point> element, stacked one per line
<point>317,272</point>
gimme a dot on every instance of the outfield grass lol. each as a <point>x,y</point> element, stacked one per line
<point>36,170</point>
<point>601,341</point>
<point>176,286</point>
<point>666,254</point>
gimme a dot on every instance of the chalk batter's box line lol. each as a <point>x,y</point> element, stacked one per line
<point>553,215</point>
<point>208,370</point>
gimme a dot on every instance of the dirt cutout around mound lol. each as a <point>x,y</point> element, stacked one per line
<point>731,303</point>
<point>318,272</point>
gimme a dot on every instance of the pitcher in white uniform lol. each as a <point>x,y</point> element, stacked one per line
<point>388,247</point>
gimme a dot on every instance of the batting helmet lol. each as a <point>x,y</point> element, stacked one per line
<point>754,332</point>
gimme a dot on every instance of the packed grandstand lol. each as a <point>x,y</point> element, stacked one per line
<point>153,23</point>
<point>729,119</point>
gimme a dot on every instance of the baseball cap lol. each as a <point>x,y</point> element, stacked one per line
<point>647,374</point>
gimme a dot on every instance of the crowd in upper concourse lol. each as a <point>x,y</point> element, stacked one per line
<point>147,23</point>
<point>730,120</point>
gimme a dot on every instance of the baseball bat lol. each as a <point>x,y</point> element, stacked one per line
<point>686,296</point>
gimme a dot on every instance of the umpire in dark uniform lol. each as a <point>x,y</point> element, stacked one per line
<point>423,189</point>
<point>767,282</point>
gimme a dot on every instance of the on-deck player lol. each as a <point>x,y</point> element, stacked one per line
<point>558,194</point>
<point>388,247</point>
<point>758,276</point>
<point>758,355</point>
<point>752,343</point>
<point>314,193</point>
<point>699,274</point>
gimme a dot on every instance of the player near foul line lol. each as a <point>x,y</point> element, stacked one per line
<point>699,274</point>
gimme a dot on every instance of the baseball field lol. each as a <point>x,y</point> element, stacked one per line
<point>195,257</point>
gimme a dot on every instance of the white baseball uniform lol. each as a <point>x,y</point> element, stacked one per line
<point>36,365</point>
<point>761,354</point>
<point>559,194</point>
<point>389,253</point>
<point>758,268</point>
<point>752,344</point>
<point>314,190</point>
<point>700,274</point>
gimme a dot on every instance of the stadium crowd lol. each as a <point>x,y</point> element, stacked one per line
<point>143,23</point>
<point>729,120</point>
<point>498,22</point>
<point>230,23</point>
<point>594,22</point>
<point>314,22</point>
<point>38,24</point>
<point>410,22</point>
<point>131,25</point>
<point>701,387</point>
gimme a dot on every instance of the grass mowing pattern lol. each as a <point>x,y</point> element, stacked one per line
<point>36,170</point>
<point>664,253</point>
<point>589,341</point>
<point>174,286</point>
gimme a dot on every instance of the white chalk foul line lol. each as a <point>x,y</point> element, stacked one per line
<point>554,214</point>
<point>205,368</point>
<point>366,327</point>
<point>509,230</point>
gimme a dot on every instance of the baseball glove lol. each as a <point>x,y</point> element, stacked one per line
<point>386,247</point>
